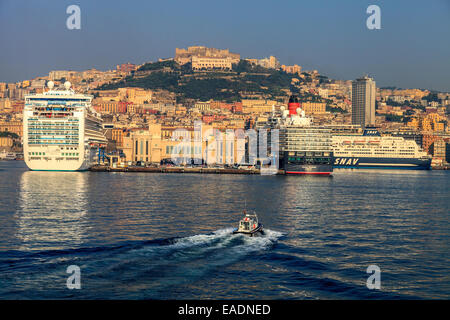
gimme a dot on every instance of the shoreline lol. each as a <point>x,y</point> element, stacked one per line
<point>180,170</point>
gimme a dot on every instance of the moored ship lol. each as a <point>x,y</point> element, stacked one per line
<point>371,150</point>
<point>305,148</point>
<point>61,130</point>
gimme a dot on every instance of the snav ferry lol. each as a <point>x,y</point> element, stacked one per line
<point>371,150</point>
<point>304,148</point>
<point>61,130</point>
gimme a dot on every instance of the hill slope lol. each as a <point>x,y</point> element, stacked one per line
<point>243,81</point>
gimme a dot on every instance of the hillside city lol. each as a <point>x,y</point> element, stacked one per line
<point>225,91</point>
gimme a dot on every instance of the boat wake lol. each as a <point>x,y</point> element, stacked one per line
<point>147,269</point>
<point>155,267</point>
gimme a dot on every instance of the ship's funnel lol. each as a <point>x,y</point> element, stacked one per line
<point>293,105</point>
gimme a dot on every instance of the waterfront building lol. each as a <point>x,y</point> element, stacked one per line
<point>439,149</point>
<point>429,122</point>
<point>6,143</point>
<point>117,135</point>
<point>312,108</point>
<point>161,143</point>
<point>14,126</point>
<point>363,101</point>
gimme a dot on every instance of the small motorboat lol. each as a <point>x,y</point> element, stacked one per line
<point>249,225</point>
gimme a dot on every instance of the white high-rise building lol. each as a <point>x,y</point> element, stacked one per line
<point>363,101</point>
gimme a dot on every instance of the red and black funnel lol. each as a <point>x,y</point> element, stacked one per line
<point>293,105</point>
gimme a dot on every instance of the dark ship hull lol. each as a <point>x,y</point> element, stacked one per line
<point>382,163</point>
<point>314,169</point>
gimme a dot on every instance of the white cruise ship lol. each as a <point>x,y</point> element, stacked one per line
<point>61,130</point>
<point>304,147</point>
<point>371,150</point>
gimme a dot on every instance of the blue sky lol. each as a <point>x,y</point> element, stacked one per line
<point>411,50</point>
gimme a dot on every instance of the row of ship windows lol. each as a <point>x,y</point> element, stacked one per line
<point>300,143</point>
<point>375,151</point>
<point>50,137</point>
<point>43,135</point>
<point>58,159</point>
<point>303,158</point>
<point>66,137</point>
<point>53,128</point>
<point>53,140</point>
<point>51,123</point>
<point>71,126</point>
<point>377,148</point>
<point>62,131</point>
<point>339,154</point>
<point>380,149</point>
<point>43,154</point>
<point>52,143</point>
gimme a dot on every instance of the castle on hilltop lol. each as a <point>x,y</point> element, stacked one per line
<point>203,58</point>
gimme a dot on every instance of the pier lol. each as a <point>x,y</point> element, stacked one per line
<point>445,167</point>
<point>162,169</point>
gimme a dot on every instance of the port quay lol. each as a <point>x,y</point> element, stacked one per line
<point>202,170</point>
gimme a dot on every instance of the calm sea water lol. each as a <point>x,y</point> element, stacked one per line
<point>168,236</point>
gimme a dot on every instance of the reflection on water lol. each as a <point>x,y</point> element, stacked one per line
<point>52,206</point>
<point>169,236</point>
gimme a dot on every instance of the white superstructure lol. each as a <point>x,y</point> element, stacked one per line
<point>61,130</point>
<point>304,147</point>
<point>376,146</point>
<point>299,134</point>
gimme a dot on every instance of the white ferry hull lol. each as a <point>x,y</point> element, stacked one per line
<point>52,163</point>
<point>55,166</point>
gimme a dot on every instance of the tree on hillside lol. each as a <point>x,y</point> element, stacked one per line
<point>159,65</point>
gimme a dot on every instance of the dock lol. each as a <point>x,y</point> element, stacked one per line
<point>447,167</point>
<point>201,170</point>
